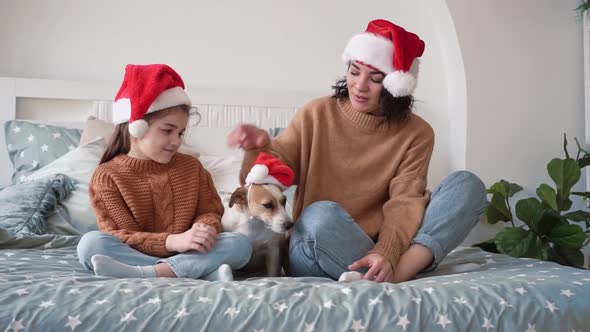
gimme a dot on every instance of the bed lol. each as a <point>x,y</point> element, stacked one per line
<point>43,286</point>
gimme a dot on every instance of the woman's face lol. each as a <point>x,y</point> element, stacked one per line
<point>364,87</point>
<point>162,139</point>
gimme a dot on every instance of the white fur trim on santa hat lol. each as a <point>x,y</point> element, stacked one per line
<point>370,49</point>
<point>401,84</point>
<point>138,128</point>
<point>121,110</point>
<point>168,98</point>
<point>259,175</point>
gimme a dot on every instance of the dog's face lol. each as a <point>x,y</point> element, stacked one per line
<point>265,202</point>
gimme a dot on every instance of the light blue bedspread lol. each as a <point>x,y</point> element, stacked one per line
<point>46,289</point>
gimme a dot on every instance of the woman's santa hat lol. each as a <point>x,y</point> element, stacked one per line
<point>147,89</point>
<point>390,49</point>
<point>268,169</point>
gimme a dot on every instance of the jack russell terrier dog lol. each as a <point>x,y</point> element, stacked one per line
<point>257,210</point>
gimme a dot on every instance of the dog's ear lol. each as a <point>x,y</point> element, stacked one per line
<point>240,196</point>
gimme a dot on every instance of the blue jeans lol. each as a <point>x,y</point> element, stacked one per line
<point>233,249</point>
<point>326,239</point>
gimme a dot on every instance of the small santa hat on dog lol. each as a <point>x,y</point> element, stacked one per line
<point>390,49</point>
<point>268,169</point>
<point>147,89</point>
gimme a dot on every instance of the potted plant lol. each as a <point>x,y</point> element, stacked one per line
<point>550,231</point>
<point>583,7</point>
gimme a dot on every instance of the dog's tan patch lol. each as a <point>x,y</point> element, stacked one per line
<point>239,196</point>
<point>265,200</point>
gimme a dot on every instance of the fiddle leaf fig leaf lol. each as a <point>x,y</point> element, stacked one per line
<point>514,241</point>
<point>497,210</point>
<point>504,188</point>
<point>530,211</point>
<point>565,173</point>
<point>578,216</point>
<point>548,196</point>
<point>568,236</point>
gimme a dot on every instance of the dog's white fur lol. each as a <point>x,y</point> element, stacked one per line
<point>258,211</point>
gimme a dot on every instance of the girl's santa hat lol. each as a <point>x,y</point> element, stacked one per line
<point>147,89</point>
<point>390,49</point>
<point>268,169</point>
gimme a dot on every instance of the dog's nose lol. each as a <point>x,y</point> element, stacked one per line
<point>288,225</point>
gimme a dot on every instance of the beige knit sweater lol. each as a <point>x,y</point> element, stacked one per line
<point>142,202</point>
<point>377,173</point>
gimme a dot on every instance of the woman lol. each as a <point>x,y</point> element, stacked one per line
<point>361,160</point>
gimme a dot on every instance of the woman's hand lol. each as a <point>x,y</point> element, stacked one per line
<point>380,268</point>
<point>200,237</point>
<point>248,137</point>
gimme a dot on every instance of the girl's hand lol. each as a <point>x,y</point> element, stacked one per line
<point>200,237</point>
<point>380,268</point>
<point>248,137</point>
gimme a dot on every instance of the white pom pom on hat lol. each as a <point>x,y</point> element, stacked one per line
<point>257,174</point>
<point>268,169</point>
<point>147,89</point>
<point>138,128</point>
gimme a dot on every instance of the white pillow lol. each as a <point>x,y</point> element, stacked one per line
<point>78,164</point>
<point>225,171</point>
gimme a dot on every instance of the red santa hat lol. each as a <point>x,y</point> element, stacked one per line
<point>147,89</point>
<point>268,169</point>
<point>390,49</point>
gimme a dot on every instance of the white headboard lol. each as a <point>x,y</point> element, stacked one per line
<point>71,102</point>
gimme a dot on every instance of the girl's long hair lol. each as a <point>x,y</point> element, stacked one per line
<point>120,142</point>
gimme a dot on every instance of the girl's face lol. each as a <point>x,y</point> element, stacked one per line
<point>162,139</point>
<point>364,87</point>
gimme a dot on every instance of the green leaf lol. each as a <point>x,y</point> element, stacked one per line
<point>547,195</point>
<point>499,188</point>
<point>497,210</point>
<point>568,236</point>
<point>548,221</point>
<point>584,194</point>
<point>567,256</point>
<point>530,211</point>
<point>514,241</point>
<point>563,203</point>
<point>565,173</point>
<point>578,216</point>
<point>513,188</point>
<point>538,249</point>
<point>489,246</point>
<point>584,161</point>
<point>567,155</point>
<point>504,188</point>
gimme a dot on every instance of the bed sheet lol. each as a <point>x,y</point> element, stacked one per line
<point>45,288</point>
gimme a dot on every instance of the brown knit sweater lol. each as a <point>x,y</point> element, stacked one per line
<point>377,173</point>
<point>142,202</point>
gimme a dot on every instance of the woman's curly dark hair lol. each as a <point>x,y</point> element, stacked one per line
<point>395,109</point>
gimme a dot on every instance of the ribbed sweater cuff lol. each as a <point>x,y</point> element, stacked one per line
<point>211,219</point>
<point>156,245</point>
<point>390,249</point>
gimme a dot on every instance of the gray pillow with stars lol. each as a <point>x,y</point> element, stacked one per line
<point>31,145</point>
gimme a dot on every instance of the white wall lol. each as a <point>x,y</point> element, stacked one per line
<point>239,44</point>
<point>523,65</point>
<point>500,80</point>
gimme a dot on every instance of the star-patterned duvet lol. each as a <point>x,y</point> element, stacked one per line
<point>45,289</point>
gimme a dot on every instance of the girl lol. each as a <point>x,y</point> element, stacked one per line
<point>361,161</point>
<point>157,210</point>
